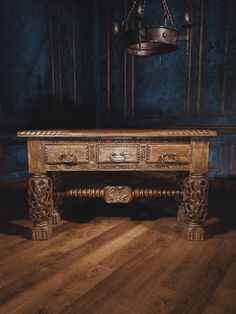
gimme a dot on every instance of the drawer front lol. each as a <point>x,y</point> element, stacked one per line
<point>117,153</point>
<point>169,154</point>
<point>66,154</point>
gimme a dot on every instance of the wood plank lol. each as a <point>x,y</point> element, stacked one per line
<point>224,298</point>
<point>120,291</point>
<point>68,237</point>
<point>200,283</point>
<point>29,299</point>
<point>119,265</point>
<point>85,281</point>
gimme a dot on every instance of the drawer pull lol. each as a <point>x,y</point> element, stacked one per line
<point>170,158</point>
<point>117,157</point>
<point>67,159</point>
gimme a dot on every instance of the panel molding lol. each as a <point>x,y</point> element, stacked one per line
<point>232,158</point>
<point>200,65</point>
<point>55,44</point>
<point>188,93</point>
<point>74,52</point>
<point>108,65</point>
<point>108,61</point>
<point>234,95</point>
<point>129,108</point>
<point>219,167</point>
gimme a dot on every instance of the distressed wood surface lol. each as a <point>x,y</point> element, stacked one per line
<point>117,150</point>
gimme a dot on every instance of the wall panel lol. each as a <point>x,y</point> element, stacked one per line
<point>179,90</point>
<point>215,157</point>
<point>213,54</point>
<point>24,57</point>
<point>162,83</point>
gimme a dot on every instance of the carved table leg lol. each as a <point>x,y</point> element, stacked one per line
<point>57,199</point>
<point>40,205</point>
<point>195,198</point>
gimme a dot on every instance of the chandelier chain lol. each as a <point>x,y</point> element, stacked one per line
<point>125,22</point>
<point>167,12</point>
<point>165,8</point>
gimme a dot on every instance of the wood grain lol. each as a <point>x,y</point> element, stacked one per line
<point>200,151</point>
<point>115,264</point>
<point>36,163</point>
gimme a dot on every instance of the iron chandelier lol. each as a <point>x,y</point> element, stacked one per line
<point>141,39</point>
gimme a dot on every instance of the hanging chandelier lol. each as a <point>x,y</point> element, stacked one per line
<point>143,40</point>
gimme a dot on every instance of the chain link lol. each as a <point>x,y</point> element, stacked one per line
<point>167,12</point>
<point>125,22</point>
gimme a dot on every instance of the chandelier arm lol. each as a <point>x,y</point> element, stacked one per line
<point>125,22</point>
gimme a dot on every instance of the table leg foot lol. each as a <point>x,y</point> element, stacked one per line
<point>194,232</point>
<point>41,232</point>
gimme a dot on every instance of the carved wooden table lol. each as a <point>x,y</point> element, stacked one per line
<point>117,150</point>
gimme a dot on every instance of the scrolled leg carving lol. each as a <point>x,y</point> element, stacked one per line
<point>40,205</point>
<point>195,198</point>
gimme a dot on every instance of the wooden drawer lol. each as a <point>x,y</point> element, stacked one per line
<point>117,153</point>
<point>169,153</point>
<point>69,154</point>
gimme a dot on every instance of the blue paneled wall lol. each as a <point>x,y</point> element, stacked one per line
<point>61,67</point>
<point>25,76</point>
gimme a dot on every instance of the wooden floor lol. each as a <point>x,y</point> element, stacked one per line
<point>120,259</point>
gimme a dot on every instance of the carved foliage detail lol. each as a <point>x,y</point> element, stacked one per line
<point>195,198</point>
<point>40,198</point>
<point>117,194</point>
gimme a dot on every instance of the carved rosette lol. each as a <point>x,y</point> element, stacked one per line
<point>195,197</point>
<point>40,199</point>
<point>118,194</point>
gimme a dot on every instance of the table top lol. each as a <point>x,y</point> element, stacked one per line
<point>96,133</point>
